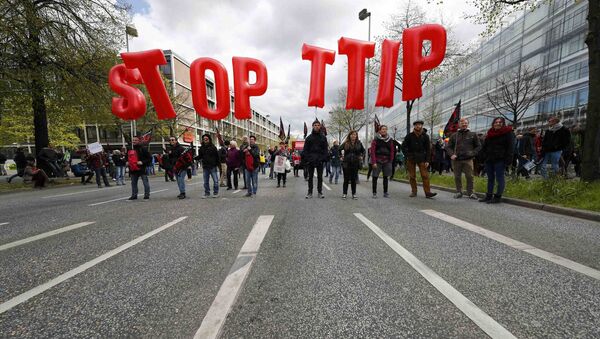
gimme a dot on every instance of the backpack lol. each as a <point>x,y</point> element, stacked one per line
<point>249,161</point>
<point>132,159</point>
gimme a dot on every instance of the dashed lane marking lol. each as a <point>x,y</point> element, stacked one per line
<point>45,235</point>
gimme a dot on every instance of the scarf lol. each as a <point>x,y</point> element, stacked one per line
<point>556,127</point>
<point>492,133</point>
<point>379,137</point>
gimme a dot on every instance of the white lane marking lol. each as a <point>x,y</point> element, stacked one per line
<point>236,191</point>
<point>81,192</point>
<point>44,235</point>
<point>466,306</point>
<point>127,197</point>
<point>215,317</point>
<point>23,297</point>
<point>516,244</point>
<point>4,223</point>
<point>196,183</point>
<point>325,185</point>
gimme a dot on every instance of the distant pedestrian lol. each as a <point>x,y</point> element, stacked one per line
<point>176,151</point>
<point>3,159</point>
<point>462,147</point>
<point>209,155</point>
<point>98,163</point>
<point>81,170</point>
<point>417,151</point>
<point>282,152</point>
<point>296,161</point>
<point>556,139</point>
<point>234,162</point>
<point>353,154</point>
<point>223,164</point>
<point>335,162</point>
<point>120,161</point>
<point>497,151</point>
<point>251,154</point>
<point>525,152</point>
<point>315,154</point>
<point>139,159</point>
<point>21,162</point>
<point>34,174</point>
<point>382,156</point>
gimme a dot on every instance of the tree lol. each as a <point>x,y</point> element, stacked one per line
<point>516,91</point>
<point>51,51</point>
<point>411,15</point>
<point>491,12</point>
<point>342,120</point>
<point>433,114</point>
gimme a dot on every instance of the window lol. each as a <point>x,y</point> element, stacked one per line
<point>583,96</point>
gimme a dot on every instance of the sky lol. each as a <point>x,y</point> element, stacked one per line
<point>273,32</point>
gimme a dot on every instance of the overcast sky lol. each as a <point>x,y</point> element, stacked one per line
<point>273,32</point>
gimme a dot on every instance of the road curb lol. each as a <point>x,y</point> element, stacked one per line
<point>577,213</point>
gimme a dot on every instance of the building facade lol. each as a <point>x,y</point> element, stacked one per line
<point>549,39</point>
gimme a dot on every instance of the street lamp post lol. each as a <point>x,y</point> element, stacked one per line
<point>362,16</point>
<point>130,30</point>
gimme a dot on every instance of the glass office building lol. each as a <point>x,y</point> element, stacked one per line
<point>550,39</point>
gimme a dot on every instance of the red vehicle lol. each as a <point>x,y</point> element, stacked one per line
<point>298,145</point>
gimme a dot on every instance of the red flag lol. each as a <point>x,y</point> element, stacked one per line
<point>305,130</point>
<point>220,138</point>
<point>281,130</point>
<point>323,128</point>
<point>452,125</point>
<point>146,137</point>
<point>376,124</point>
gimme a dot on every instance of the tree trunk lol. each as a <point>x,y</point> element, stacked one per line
<point>409,106</point>
<point>40,119</point>
<point>590,167</point>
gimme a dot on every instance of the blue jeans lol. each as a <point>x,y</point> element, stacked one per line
<point>554,158</point>
<point>208,173</point>
<point>134,184</point>
<point>495,172</point>
<point>120,173</point>
<point>181,181</point>
<point>251,180</point>
<point>335,171</point>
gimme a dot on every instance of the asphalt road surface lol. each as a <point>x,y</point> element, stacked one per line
<point>83,262</point>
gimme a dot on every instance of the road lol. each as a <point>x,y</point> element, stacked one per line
<point>83,262</point>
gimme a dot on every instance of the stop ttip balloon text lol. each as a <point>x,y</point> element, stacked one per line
<point>142,68</point>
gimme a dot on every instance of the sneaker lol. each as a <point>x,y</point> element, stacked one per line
<point>248,194</point>
<point>181,196</point>
<point>215,195</point>
<point>495,200</point>
<point>343,196</point>
<point>413,194</point>
<point>146,197</point>
<point>321,196</point>
<point>354,197</point>
<point>374,195</point>
<point>308,196</point>
<point>206,196</point>
<point>473,196</point>
<point>458,195</point>
<point>132,198</point>
<point>386,195</point>
<point>430,195</point>
<point>485,199</point>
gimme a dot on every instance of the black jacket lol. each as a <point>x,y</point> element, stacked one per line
<point>499,148</point>
<point>334,155</point>
<point>465,144</point>
<point>527,145</point>
<point>254,151</point>
<point>353,154</point>
<point>209,155</point>
<point>143,156</point>
<point>315,149</point>
<point>417,147</point>
<point>556,141</point>
<point>20,160</point>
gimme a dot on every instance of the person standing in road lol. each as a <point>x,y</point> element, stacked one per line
<point>251,159</point>
<point>283,152</point>
<point>497,151</point>
<point>353,154</point>
<point>234,162</point>
<point>315,154</point>
<point>296,161</point>
<point>97,163</point>
<point>462,147</point>
<point>120,161</point>
<point>209,155</point>
<point>223,163</point>
<point>556,139</point>
<point>139,159</point>
<point>382,156</point>
<point>417,150</point>
<point>176,151</point>
<point>334,161</point>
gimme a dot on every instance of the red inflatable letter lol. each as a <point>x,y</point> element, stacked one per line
<point>198,80</point>
<point>318,57</point>
<point>132,103</point>
<point>243,89</point>
<point>387,74</point>
<point>147,62</point>
<point>357,51</point>
<point>414,63</point>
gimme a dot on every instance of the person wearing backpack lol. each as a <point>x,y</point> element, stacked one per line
<point>138,160</point>
<point>251,160</point>
<point>209,155</point>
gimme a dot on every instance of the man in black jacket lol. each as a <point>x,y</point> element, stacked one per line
<point>315,154</point>
<point>209,155</point>
<point>417,150</point>
<point>556,140</point>
<point>176,150</point>
<point>144,159</point>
